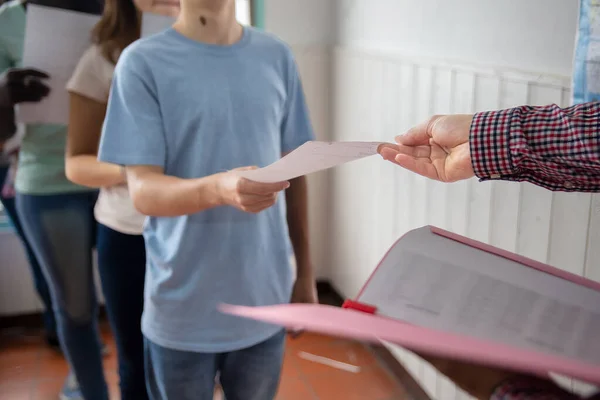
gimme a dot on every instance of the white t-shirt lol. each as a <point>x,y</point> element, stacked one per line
<point>92,78</point>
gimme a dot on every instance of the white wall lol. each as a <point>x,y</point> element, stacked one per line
<point>400,61</point>
<point>306,25</point>
<point>535,35</point>
<point>302,22</point>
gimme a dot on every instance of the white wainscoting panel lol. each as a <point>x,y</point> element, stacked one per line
<point>314,65</point>
<point>378,96</point>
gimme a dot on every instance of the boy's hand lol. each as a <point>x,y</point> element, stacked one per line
<point>247,195</point>
<point>305,291</point>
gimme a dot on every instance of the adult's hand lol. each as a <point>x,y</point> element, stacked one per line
<point>481,381</point>
<point>22,85</point>
<point>437,149</point>
<point>477,380</point>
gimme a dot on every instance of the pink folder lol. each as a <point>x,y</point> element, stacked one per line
<point>443,294</point>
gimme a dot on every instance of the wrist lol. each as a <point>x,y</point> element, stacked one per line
<point>123,173</point>
<point>216,190</point>
<point>304,271</point>
<point>208,192</point>
<point>491,127</point>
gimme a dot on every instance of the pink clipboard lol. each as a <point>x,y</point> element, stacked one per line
<point>363,320</point>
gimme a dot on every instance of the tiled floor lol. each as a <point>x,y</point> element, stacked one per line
<point>29,370</point>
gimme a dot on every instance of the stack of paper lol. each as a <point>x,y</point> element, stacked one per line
<point>442,294</point>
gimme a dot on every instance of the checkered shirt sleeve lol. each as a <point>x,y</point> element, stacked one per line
<point>556,148</point>
<point>525,388</point>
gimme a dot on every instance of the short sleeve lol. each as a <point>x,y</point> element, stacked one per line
<point>296,128</point>
<point>133,133</point>
<point>92,76</point>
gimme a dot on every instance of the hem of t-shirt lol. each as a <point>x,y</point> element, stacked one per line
<point>130,160</point>
<point>210,347</point>
<point>116,226</point>
<point>42,189</point>
<point>289,149</point>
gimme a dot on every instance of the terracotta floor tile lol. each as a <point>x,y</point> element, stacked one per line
<point>112,380</point>
<point>110,361</point>
<point>310,340</point>
<point>19,391</point>
<point>290,368</point>
<point>18,365</point>
<point>30,370</point>
<point>294,389</point>
<point>52,366</point>
<point>47,389</point>
<point>349,353</point>
<point>371,383</point>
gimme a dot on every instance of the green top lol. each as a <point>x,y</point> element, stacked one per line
<point>41,167</point>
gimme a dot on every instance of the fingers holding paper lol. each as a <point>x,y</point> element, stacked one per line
<point>437,148</point>
<point>247,195</point>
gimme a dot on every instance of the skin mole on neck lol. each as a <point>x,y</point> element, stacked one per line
<point>202,20</point>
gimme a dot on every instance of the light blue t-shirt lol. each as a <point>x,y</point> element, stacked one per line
<point>197,109</point>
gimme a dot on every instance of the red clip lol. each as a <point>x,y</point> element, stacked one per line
<point>355,305</point>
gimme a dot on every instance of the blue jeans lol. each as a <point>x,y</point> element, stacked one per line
<point>122,267</point>
<point>247,374</point>
<point>62,231</point>
<point>41,286</point>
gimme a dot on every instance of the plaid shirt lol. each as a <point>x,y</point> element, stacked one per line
<point>556,148</point>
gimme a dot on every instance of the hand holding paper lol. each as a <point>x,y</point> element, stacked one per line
<point>58,58</point>
<point>312,157</point>
<point>247,195</point>
<point>22,85</point>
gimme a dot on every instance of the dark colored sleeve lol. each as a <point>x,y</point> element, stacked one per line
<point>556,148</point>
<point>525,388</point>
<point>7,123</point>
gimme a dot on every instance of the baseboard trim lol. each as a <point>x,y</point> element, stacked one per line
<point>329,295</point>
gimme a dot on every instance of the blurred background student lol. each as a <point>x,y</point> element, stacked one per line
<point>57,219</point>
<point>13,92</point>
<point>120,244</point>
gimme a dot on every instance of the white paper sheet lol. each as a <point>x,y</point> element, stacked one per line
<point>438,283</point>
<point>312,157</point>
<point>55,40</point>
<point>71,36</point>
<point>154,23</point>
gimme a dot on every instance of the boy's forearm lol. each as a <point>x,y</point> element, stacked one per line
<point>159,195</point>
<point>297,216</point>
<point>86,170</point>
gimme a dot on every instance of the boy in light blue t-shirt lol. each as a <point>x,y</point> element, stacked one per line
<point>187,106</point>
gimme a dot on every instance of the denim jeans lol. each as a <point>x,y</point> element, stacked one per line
<point>122,267</point>
<point>247,374</point>
<point>39,280</point>
<point>62,231</point>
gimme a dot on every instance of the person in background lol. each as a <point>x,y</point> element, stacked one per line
<point>120,244</point>
<point>20,85</point>
<point>552,147</point>
<point>187,107</point>
<point>58,222</point>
